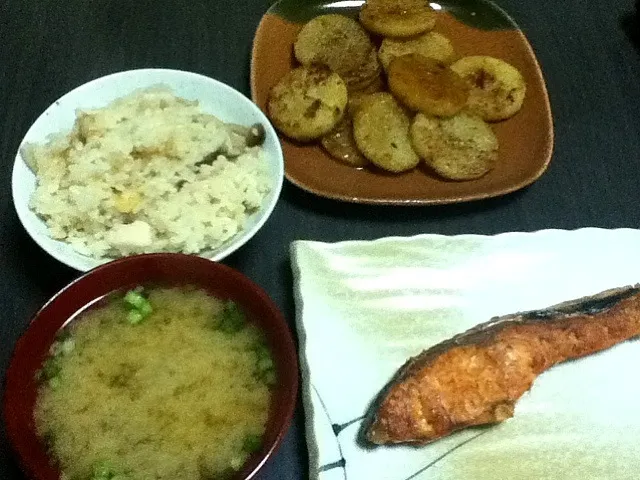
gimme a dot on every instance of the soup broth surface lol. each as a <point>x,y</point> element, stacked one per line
<point>167,383</point>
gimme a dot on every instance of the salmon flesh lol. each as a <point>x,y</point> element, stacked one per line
<point>476,377</point>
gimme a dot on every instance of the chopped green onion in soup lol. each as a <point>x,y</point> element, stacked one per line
<point>252,443</point>
<point>232,319</point>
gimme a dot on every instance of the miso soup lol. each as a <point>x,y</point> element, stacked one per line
<point>164,383</point>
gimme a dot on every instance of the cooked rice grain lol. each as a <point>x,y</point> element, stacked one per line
<point>129,178</point>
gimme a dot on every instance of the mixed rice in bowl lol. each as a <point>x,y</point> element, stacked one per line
<point>149,171</point>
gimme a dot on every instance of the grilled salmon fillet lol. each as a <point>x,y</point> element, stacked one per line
<point>476,377</point>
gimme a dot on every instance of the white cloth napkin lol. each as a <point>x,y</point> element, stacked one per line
<point>364,307</point>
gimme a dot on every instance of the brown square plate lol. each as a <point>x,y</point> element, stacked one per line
<point>475,27</point>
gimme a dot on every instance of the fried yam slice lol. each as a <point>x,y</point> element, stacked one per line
<point>364,76</point>
<point>377,84</point>
<point>476,377</point>
<point>431,44</point>
<point>426,85</point>
<point>497,88</point>
<point>341,145</point>
<point>397,18</point>
<point>381,132</point>
<point>308,102</point>
<point>462,147</point>
<point>341,44</point>
<point>356,97</point>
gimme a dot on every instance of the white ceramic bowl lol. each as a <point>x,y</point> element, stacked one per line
<point>215,97</point>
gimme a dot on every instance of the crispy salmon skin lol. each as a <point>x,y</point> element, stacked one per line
<point>476,377</point>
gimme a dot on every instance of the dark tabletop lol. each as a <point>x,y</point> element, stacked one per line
<point>589,53</point>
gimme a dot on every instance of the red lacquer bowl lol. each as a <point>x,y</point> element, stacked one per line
<point>164,269</point>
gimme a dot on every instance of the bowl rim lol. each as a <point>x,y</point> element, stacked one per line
<point>67,255</point>
<point>19,379</point>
